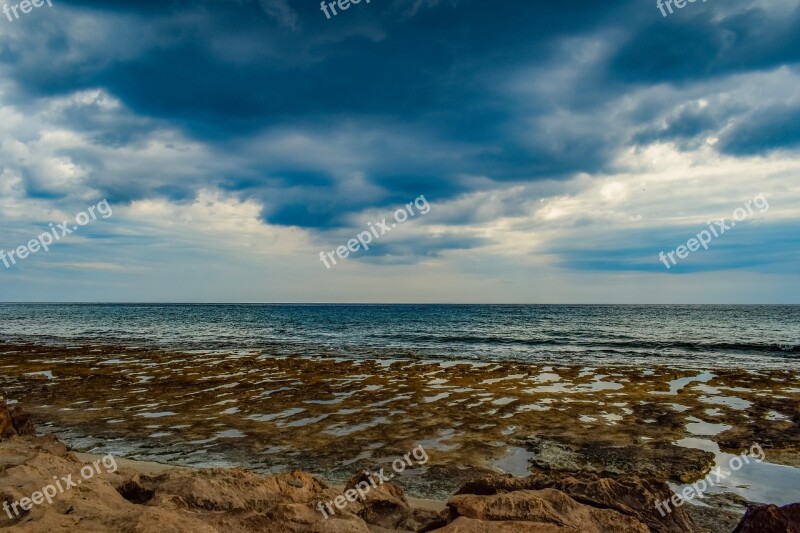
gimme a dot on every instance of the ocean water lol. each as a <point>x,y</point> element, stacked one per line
<point>682,336</point>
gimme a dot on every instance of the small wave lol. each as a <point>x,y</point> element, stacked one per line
<point>472,339</point>
<point>599,343</point>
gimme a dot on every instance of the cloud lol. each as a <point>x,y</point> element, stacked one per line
<point>280,11</point>
<point>776,127</point>
<point>569,141</point>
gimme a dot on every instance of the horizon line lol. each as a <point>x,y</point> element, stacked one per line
<point>384,303</point>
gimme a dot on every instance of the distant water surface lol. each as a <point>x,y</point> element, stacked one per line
<point>682,336</point>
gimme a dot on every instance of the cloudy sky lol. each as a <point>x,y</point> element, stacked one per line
<point>561,146</point>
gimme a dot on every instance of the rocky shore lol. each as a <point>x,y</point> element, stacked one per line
<point>512,445</point>
<point>134,498</point>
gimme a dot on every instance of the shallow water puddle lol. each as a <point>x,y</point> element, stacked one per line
<point>156,415</point>
<point>436,398</point>
<point>46,373</point>
<point>304,421</point>
<point>230,434</point>
<point>546,377</point>
<point>570,388</point>
<point>533,407</point>
<point>515,462</point>
<point>775,416</point>
<point>730,401</point>
<point>756,482</point>
<point>438,442</point>
<point>345,430</point>
<point>503,401</point>
<point>274,416</point>
<point>677,384</point>
<point>703,428</point>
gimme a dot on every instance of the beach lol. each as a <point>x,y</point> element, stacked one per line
<point>425,266</point>
<point>334,417</point>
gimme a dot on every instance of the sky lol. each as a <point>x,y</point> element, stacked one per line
<point>556,148</point>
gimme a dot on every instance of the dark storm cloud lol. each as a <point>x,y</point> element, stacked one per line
<point>704,43</point>
<point>404,97</point>
<point>764,130</point>
<point>410,250</point>
<point>687,124</point>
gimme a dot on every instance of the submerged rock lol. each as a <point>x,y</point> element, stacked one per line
<point>654,460</point>
<point>780,439</point>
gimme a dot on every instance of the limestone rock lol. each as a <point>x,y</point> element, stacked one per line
<point>658,460</point>
<point>547,507</point>
<point>468,525</point>
<point>630,496</point>
<point>385,506</point>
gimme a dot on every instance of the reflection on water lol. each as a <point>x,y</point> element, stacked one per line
<point>760,482</point>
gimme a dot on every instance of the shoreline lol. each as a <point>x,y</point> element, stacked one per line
<point>258,411</point>
<point>140,496</point>
<point>179,414</point>
<point>150,468</point>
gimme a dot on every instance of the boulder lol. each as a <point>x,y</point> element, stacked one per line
<point>6,425</point>
<point>386,506</point>
<point>468,525</point>
<point>629,496</point>
<point>23,422</point>
<point>547,509</point>
<point>771,519</point>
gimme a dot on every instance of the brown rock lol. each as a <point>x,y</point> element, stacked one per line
<point>720,512</point>
<point>468,525</point>
<point>779,439</point>
<point>337,525</point>
<point>23,422</point>
<point>232,489</point>
<point>630,496</point>
<point>543,507</point>
<point>771,519</point>
<point>6,425</point>
<point>213,500</point>
<point>49,443</point>
<point>654,460</point>
<point>198,501</point>
<point>133,491</point>
<point>386,506</point>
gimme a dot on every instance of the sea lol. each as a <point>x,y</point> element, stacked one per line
<point>681,336</point>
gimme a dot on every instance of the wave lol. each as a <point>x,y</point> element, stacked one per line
<point>599,343</point>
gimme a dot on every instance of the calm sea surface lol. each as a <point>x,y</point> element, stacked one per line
<point>684,336</point>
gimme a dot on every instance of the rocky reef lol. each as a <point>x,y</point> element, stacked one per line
<point>136,497</point>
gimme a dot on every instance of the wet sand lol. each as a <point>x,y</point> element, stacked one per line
<point>332,417</point>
